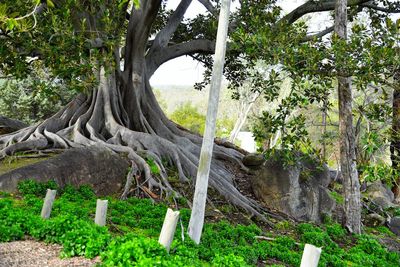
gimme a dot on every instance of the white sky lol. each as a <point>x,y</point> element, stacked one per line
<point>186,71</point>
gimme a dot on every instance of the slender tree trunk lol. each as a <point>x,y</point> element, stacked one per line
<point>245,107</point>
<point>200,195</point>
<point>323,150</point>
<point>395,136</point>
<point>351,185</point>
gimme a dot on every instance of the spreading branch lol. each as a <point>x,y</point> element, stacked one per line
<point>315,6</point>
<point>207,4</point>
<point>378,8</point>
<point>166,33</point>
<point>319,34</point>
<point>191,47</point>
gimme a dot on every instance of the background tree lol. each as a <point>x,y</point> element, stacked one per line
<point>348,168</point>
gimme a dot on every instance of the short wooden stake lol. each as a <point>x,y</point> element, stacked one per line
<point>168,229</point>
<point>48,203</point>
<point>311,256</point>
<point>101,212</point>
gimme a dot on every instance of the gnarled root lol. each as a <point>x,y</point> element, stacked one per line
<point>100,120</point>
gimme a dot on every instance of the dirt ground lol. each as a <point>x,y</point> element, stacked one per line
<point>36,254</point>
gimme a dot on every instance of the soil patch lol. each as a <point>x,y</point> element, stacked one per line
<point>30,253</point>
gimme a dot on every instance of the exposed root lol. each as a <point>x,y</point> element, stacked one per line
<point>101,120</point>
<point>132,173</point>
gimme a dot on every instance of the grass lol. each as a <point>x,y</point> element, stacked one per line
<point>12,163</point>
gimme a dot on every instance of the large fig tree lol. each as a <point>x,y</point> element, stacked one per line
<point>107,50</point>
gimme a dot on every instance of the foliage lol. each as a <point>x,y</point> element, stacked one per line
<point>33,99</point>
<point>31,187</point>
<point>375,172</point>
<point>189,117</point>
<point>134,225</point>
<point>337,197</point>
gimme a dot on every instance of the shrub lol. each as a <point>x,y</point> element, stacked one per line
<point>135,251</point>
<point>335,231</point>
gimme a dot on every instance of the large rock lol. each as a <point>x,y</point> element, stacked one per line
<point>374,220</point>
<point>380,194</point>
<point>299,191</point>
<point>394,225</point>
<point>8,125</point>
<point>101,168</point>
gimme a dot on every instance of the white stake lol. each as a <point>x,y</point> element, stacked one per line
<point>168,229</point>
<point>48,203</point>
<point>311,256</point>
<point>200,195</point>
<point>101,212</point>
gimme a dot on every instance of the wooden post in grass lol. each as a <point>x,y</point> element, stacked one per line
<point>168,228</point>
<point>311,256</point>
<point>101,212</point>
<point>48,203</point>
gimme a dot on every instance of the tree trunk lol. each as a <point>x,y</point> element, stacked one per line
<point>122,114</point>
<point>395,135</point>
<point>351,185</point>
<point>323,141</point>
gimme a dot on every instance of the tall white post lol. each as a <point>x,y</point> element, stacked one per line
<point>168,229</point>
<point>101,212</point>
<point>48,203</point>
<point>199,201</point>
<point>311,256</point>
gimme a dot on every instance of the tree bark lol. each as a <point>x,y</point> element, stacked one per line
<point>351,185</point>
<point>395,135</point>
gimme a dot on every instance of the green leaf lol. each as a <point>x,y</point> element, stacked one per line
<point>11,23</point>
<point>50,3</point>
<point>136,3</point>
<point>123,2</point>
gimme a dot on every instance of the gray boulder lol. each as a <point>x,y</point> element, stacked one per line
<point>253,160</point>
<point>8,125</point>
<point>380,194</point>
<point>101,168</point>
<point>374,220</point>
<point>394,225</point>
<point>299,191</point>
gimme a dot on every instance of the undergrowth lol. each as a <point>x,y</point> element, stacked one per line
<point>133,226</point>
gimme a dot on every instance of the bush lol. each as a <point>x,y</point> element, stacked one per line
<point>135,251</point>
<point>336,231</point>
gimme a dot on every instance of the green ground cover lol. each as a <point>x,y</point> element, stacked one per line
<point>130,237</point>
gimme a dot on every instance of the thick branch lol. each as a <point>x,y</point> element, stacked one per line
<point>165,34</point>
<point>174,51</point>
<point>315,6</point>
<point>139,26</point>
<point>378,8</point>
<point>319,34</point>
<point>207,4</point>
